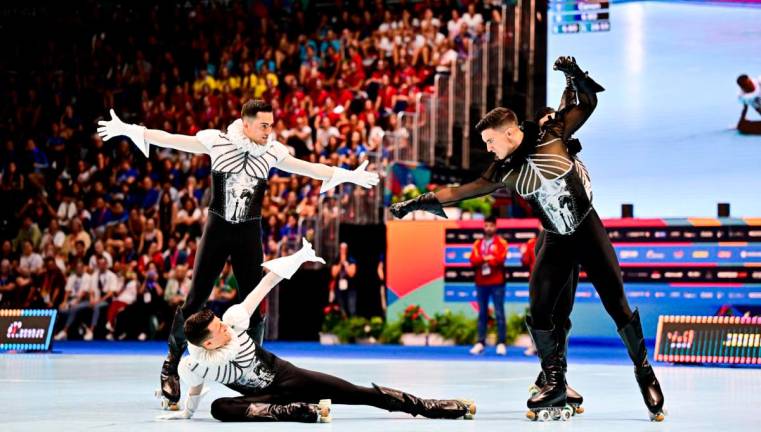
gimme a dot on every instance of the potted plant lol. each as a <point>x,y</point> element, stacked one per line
<point>414,326</point>
<point>371,331</point>
<point>333,317</point>
<point>517,332</point>
<point>450,328</point>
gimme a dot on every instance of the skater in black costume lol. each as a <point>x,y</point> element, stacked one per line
<point>273,389</point>
<point>536,162</point>
<point>241,159</point>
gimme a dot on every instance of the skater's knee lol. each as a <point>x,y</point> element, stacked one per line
<point>220,409</point>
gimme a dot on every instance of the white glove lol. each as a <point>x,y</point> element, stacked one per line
<point>359,177</point>
<point>191,405</point>
<point>285,267</point>
<point>115,127</point>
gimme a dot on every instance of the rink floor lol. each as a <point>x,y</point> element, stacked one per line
<point>109,387</point>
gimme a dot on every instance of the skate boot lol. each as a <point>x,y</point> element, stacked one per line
<point>169,390</point>
<point>550,403</point>
<point>293,412</point>
<point>395,400</point>
<point>573,398</point>
<point>631,334</point>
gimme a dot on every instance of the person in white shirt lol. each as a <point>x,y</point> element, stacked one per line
<point>100,251</point>
<point>123,299</point>
<point>77,298</point>
<point>273,389</point>
<point>30,265</point>
<point>241,159</point>
<point>106,287</point>
<point>472,18</point>
<point>53,235</point>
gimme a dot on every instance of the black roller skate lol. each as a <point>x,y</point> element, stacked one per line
<point>395,400</point>
<point>631,334</point>
<point>550,403</point>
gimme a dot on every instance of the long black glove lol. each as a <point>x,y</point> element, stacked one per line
<point>427,202</point>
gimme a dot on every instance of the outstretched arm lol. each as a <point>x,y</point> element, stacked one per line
<point>586,92</point>
<point>330,176</point>
<point>433,202</point>
<point>143,137</point>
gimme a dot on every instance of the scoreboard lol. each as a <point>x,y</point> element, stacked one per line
<point>579,16</point>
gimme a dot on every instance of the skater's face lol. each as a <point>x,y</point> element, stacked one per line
<point>502,141</point>
<point>219,335</point>
<point>258,128</point>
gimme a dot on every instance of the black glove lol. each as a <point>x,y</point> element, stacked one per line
<point>568,66</point>
<point>575,75</point>
<point>427,202</point>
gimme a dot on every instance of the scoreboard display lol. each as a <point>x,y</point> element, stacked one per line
<point>662,261</point>
<point>579,16</point>
<point>708,339</point>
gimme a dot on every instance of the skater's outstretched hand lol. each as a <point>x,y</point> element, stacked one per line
<point>307,253</point>
<point>191,405</point>
<point>116,127</point>
<point>359,176</point>
<point>427,202</point>
<point>567,65</point>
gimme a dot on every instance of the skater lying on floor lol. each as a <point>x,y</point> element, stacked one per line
<point>273,389</point>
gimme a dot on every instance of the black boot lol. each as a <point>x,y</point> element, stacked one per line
<point>170,379</point>
<point>631,334</point>
<point>551,399</point>
<point>293,412</point>
<point>573,398</point>
<point>395,400</point>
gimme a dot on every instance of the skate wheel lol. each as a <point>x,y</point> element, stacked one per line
<point>471,413</point>
<point>657,417</point>
<point>565,414</point>
<point>325,407</point>
<point>544,416</point>
<point>579,409</point>
<point>531,415</point>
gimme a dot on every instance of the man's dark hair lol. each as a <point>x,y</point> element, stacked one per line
<point>255,106</point>
<point>197,326</point>
<point>742,78</point>
<point>491,219</point>
<point>496,118</point>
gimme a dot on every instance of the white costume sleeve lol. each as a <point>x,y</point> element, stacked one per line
<point>208,137</point>
<point>279,150</point>
<point>186,375</point>
<point>237,318</point>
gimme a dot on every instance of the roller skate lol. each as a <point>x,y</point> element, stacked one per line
<point>395,400</point>
<point>631,334</point>
<point>550,402</point>
<point>169,392</point>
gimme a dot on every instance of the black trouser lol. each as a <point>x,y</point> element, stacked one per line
<point>294,384</point>
<point>564,306</point>
<point>559,257</point>
<point>242,242</point>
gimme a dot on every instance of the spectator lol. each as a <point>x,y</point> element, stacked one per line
<point>50,292</point>
<point>342,287</point>
<point>106,287</point>
<point>53,235</point>
<point>30,268</point>
<point>225,291</point>
<point>98,252</point>
<point>8,292</point>
<point>124,298</point>
<point>78,297</point>
<point>29,232</point>
<point>177,287</point>
<point>488,259</point>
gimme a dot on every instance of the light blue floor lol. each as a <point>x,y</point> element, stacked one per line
<point>73,392</point>
<point>662,137</point>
